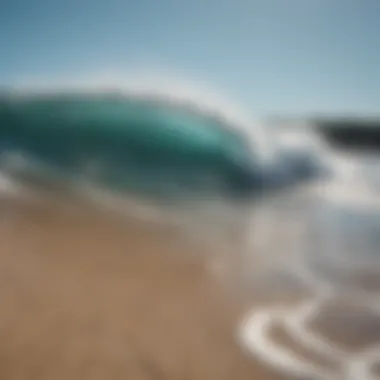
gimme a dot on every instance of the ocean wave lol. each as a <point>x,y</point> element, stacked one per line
<point>129,134</point>
<point>144,136</point>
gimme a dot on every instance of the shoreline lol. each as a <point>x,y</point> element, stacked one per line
<point>89,294</point>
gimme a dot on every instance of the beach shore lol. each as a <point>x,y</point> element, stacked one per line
<point>90,294</point>
<point>87,296</point>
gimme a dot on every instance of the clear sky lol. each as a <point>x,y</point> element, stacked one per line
<point>274,56</point>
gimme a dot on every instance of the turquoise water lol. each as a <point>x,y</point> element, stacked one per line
<point>126,143</point>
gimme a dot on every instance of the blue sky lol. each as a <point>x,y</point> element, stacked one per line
<point>273,56</point>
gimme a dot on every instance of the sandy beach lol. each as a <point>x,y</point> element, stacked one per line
<point>87,294</point>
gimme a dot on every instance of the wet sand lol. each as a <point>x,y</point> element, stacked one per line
<point>87,296</point>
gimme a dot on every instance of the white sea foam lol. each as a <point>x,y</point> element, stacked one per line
<point>342,214</point>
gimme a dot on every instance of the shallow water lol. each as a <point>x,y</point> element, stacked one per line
<point>335,256</point>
